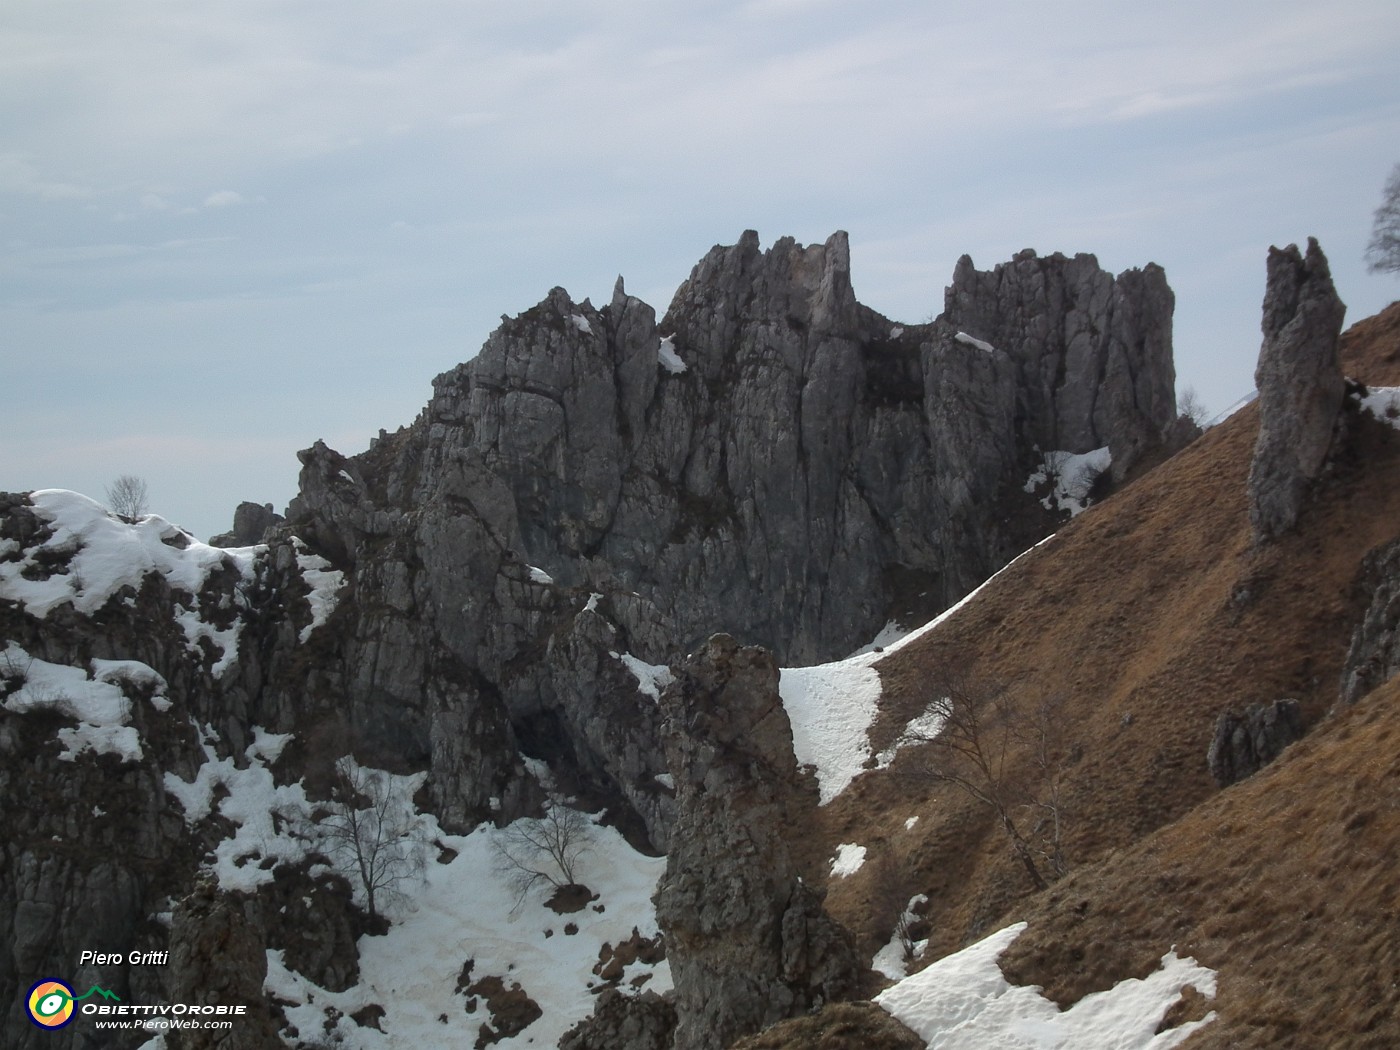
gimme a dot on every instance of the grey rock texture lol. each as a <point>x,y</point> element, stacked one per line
<point>1091,354</point>
<point>1300,384</point>
<point>624,1022</point>
<point>801,471</point>
<point>1374,656</point>
<point>218,958</point>
<point>251,522</point>
<point>1246,741</point>
<point>747,939</point>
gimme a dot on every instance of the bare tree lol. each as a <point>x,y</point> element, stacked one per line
<point>126,497</point>
<point>371,833</point>
<point>1189,404</point>
<point>1383,253</point>
<point>1005,754</point>
<point>544,850</point>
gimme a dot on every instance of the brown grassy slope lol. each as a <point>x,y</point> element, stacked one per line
<point>1149,614</point>
<point>1285,883</point>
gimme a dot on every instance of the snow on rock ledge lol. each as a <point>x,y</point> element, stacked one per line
<point>964,1001</point>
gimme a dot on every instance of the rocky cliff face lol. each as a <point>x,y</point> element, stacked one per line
<point>502,583</point>
<point>1300,386</point>
<point>748,940</point>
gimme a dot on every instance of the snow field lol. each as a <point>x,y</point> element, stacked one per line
<point>963,1002</point>
<point>466,909</point>
<point>832,706</point>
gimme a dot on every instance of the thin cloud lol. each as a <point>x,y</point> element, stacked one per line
<point>223,199</point>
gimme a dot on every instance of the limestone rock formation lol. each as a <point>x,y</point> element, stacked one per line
<point>747,939</point>
<point>1300,386</point>
<point>624,1022</point>
<point>1374,656</point>
<point>218,959</point>
<point>1091,354</point>
<point>1246,741</point>
<point>250,524</point>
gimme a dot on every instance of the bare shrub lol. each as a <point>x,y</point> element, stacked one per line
<point>984,730</point>
<point>126,497</point>
<point>1383,252</point>
<point>1190,406</point>
<point>544,850</point>
<point>371,834</point>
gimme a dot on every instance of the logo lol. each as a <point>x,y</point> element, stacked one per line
<point>51,1002</point>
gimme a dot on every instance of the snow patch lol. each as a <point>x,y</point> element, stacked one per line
<point>896,332</point>
<point>538,575</point>
<point>271,819</point>
<point>893,959</point>
<point>1383,402</point>
<point>848,860</point>
<point>95,700</point>
<point>581,323</point>
<point>325,584</point>
<point>1215,421</point>
<point>466,909</point>
<point>832,706</point>
<point>970,340</point>
<point>1073,475</point>
<point>887,636</point>
<point>964,1001</point>
<point>92,555</point>
<point>909,824</point>
<point>667,357</point>
<point>651,678</point>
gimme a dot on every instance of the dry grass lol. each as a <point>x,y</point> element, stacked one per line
<point>1151,614</point>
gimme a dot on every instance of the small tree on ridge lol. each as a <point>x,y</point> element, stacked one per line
<point>126,497</point>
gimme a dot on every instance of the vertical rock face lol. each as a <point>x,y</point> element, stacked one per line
<point>1374,656</point>
<point>1091,355</point>
<point>771,459</point>
<point>1300,386</point>
<point>1246,741</point>
<point>748,942</point>
<point>219,959</point>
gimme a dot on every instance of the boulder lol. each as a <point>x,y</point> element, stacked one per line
<point>1246,741</point>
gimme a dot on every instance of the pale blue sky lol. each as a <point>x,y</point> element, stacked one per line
<point>229,229</point>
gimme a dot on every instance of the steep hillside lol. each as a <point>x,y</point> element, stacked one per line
<point>1147,617</point>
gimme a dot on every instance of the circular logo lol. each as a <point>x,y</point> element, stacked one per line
<point>50,1004</point>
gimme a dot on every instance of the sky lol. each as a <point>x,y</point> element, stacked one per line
<point>230,229</point>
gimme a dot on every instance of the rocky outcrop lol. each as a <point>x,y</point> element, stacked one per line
<point>251,522</point>
<point>1091,354</point>
<point>747,939</point>
<point>624,1022</point>
<point>1246,741</point>
<point>1300,387</point>
<point>218,959</point>
<point>771,458</point>
<point>1374,656</point>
